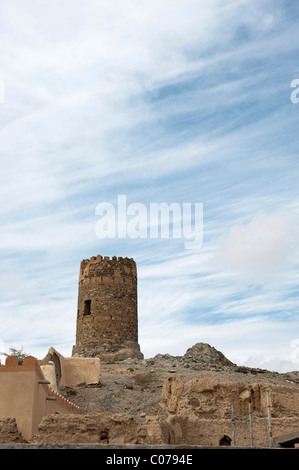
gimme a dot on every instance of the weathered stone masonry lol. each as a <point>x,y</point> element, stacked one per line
<point>107,318</point>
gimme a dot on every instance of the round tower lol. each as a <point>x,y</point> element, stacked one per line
<point>107,321</point>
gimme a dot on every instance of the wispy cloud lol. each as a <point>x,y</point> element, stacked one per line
<point>262,248</point>
<point>164,101</point>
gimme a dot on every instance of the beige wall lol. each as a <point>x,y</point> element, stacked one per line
<point>76,370</point>
<point>16,399</point>
<point>72,371</point>
<point>25,399</point>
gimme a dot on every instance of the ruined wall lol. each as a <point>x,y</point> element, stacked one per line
<point>209,399</point>
<point>102,428</point>
<point>184,430</point>
<point>107,428</point>
<point>107,322</point>
<point>9,431</point>
<point>199,412</point>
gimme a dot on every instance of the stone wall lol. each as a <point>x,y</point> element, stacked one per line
<point>209,399</point>
<point>107,322</point>
<point>199,412</point>
<point>122,429</point>
<point>9,431</point>
<point>101,428</point>
<point>190,430</point>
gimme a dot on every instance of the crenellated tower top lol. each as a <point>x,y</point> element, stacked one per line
<point>106,267</point>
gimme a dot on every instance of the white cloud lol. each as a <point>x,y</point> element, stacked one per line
<point>261,249</point>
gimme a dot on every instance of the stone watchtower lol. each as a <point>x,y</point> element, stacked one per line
<point>107,321</point>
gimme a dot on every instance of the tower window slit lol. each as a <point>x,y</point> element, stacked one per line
<point>87,307</point>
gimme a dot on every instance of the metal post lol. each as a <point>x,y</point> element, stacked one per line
<point>250,425</point>
<point>269,420</point>
<point>233,427</point>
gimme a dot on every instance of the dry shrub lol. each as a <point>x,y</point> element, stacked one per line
<point>145,380</point>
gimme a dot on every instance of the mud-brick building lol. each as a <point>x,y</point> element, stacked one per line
<point>107,316</point>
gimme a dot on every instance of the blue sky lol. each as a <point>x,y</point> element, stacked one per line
<point>161,101</point>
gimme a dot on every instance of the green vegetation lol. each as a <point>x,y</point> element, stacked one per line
<point>19,353</point>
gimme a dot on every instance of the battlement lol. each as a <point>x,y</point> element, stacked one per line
<point>104,259</point>
<point>12,364</point>
<point>115,268</point>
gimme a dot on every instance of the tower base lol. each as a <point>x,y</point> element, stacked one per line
<point>107,351</point>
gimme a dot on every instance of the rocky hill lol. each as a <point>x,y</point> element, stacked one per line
<point>134,386</point>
